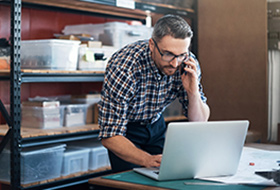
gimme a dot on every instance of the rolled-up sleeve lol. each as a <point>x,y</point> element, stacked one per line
<point>118,89</point>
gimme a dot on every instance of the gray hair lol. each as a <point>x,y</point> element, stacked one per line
<point>172,25</point>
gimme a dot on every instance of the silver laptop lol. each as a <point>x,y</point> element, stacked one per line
<point>200,149</point>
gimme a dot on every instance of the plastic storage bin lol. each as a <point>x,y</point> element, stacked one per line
<point>115,34</point>
<point>98,155</point>
<point>119,34</point>
<point>74,114</point>
<point>92,59</point>
<point>5,166</point>
<point>75,160</point>
<point>93,29</point>
<point>40,117</point>
<point>37,163</point>
<point>91,101</point>
<point>49,54</point>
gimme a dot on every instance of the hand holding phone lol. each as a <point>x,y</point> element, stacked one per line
<point>183,65</point>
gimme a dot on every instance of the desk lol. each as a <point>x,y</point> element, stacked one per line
<point>109,182</point>
<point>129,178</point>
<point>101,183</point>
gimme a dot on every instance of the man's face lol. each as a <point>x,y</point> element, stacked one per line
<point>171,47</point>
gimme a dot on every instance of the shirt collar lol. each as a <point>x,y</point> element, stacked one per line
<point>154,69</point>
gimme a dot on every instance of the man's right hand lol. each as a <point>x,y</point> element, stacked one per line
<point>153,161</point>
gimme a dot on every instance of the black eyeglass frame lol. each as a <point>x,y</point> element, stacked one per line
<point>185,56</point>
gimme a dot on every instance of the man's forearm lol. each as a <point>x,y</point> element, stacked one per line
<point>197,109</point>
<point>126,150</point>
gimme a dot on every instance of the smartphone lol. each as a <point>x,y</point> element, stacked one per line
<point>183,65</point>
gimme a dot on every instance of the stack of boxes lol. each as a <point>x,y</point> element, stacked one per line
<point>91,101</point>
<point>41,114</point>
<point>48,162</point>
<point>111,35</point>
<point>53,161</point>
<point>68,54</point>
<point>73,114</point>
<point>45,113</point>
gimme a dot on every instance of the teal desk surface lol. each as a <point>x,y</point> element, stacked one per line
<point>132,180</point>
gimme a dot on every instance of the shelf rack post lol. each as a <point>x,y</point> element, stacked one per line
<point>15,82</point>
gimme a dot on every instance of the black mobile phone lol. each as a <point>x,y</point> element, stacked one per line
<point>183,65</point>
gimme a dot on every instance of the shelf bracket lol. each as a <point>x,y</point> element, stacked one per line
<point>7,118</point>
<point>5,114</point>
<point>5,140</point>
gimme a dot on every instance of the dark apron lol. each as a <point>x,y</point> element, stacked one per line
<point>148,137</point>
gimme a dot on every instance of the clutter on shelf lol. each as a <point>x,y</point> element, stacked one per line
<point>4,54</point>
<point>174,3</point>
<point>38,163</point>
<point>48,162</point>
<point>116,34</point>
<point>53,112</point>
<point>53,54</point>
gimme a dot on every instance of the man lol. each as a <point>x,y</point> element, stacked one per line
<point>141,80</point>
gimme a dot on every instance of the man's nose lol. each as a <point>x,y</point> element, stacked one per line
<point>174,62</point>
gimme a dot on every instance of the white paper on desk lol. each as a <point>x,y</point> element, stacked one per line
<point>263,161</point>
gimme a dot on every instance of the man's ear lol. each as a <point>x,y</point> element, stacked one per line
<point>151,44</point>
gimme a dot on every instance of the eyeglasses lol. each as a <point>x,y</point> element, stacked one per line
<point>167,56</point>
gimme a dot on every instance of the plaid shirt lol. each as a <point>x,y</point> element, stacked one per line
<point>135,91</point>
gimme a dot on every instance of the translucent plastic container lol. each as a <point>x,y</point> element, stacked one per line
<point>92,29</point>
<point>119,34</point>
<point>88,59</point>
<point>92,110</point>
<point>50,54</point>
<point>98,158</point>
<point>75,160</point>
<point>5,166</point>
<point>40,117</point>
<point>115,34</point>
<point>98,155</point>
<point>74,114</point>
<point>37,163</point>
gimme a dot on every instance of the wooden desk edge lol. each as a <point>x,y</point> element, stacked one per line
<point>121,184</point>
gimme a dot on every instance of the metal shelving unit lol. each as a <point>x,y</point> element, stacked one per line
<point>17,77</point>
<point>15,81</point>
<point>43,140</point>
<point>61,77</point>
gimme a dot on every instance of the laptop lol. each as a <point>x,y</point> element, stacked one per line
<point>200,149</point>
